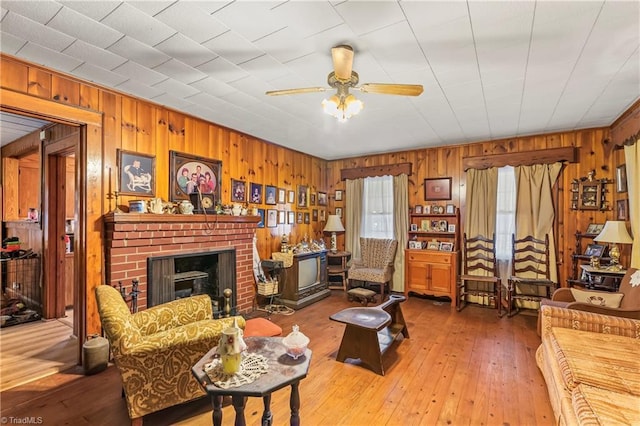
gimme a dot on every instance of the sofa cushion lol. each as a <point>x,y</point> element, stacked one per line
<point>595,406</point>
<point>600,298</point>
<point>606,361</point>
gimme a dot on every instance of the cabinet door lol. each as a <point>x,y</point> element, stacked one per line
<point>418,276</point>
<point>441,278</point>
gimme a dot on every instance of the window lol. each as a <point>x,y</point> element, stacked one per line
<point>377,207</point>
<point>505,212</point>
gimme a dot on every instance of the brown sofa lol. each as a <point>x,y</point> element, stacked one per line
<point>591,364</point>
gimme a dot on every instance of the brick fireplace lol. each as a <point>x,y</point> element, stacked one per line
<point>132,238</point>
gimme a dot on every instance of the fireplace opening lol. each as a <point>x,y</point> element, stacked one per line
<point>189,274</point>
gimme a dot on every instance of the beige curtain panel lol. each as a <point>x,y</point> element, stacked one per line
<point>632,158</point>
<point>400,227</point>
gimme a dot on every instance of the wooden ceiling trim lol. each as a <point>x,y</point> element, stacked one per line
<point>374,171</point>
<point>525,158</point>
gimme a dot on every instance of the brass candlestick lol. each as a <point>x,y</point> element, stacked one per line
<point>117,209</point>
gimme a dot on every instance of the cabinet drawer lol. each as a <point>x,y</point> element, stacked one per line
<point>430,257</point>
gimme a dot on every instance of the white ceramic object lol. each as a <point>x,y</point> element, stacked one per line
<point>185,207</point>
<point>296,343</point>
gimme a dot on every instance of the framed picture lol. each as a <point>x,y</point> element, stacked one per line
<point>303,196</point>
<point>451,228</point>
<point>425,225</point>
<point>413,227</point>
<point>415,245</point>
<point>433,245</point>
<point>261,214</point>
<point>622,207</point>
<point>270,195</point>
<point>282,196</point>
<point>437,189</point>
<point>314,215</point>
<point>282,217</point>
<point>299,217</point>
<point>446,246</point>
<point>307,218</point>
<point>427,210</point>
<point>292,197</point>
<point>272,218</point>
<point>256,193</point>
<point>137,174</point>
<point>594,250</point>
<point>238,190</point>
<point>312,199</point>
<point>322,198</point>
<point>621,178</point>
<point>339,211</point>
<point>323,215</point>
<point>189,174</point>
<point>291,218</point>
<point>594,228</point>
<point>450,209</point>
<point>418,210</point>
<point>437,209</point>
<point>339,195</point>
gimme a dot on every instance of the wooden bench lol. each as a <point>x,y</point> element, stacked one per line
<point>371,331</point>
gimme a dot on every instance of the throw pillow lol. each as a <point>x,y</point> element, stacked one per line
<point>600,298</point>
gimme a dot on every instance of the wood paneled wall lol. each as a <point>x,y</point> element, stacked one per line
<point>594,153</point>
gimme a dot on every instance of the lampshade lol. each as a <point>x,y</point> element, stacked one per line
<point>334,224</point>
<point>343,107</point>
<point>614,231</point>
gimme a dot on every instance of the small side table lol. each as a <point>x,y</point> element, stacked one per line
<point>337,267</point>
<point>283,371</point>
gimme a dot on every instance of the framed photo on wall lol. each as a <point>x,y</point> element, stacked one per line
<point>261,214</point>
<point>621,178</point>
<point>338,195</point>
<point>622,207</point>
<point>292,197</point>
<point>270,195</point>
<point>282,195</point>
<point>307,218</point>
<point>303,196</point>
<point>322,198</point>
<point>189,174</point>
<point>272,218</point>
<point>437,189</point>
<point>137,174</point>
<point>238,190</point>
<point>339,211</point>
<point>255,196</point>
<point>282,217</point>
<point>291,219</point>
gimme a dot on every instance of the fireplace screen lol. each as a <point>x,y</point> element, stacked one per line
<point>184,275</point>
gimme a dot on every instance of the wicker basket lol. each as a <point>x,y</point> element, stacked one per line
<point>268,288</point>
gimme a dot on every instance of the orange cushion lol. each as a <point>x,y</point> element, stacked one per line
<point>261,327</point>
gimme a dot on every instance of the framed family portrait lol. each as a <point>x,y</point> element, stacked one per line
<point>255,196</point>
<point>261,214</point>
<point>594,228</point>
<point>437,189</point>
<point>322,198</point>
<point>270,195</point>
<point>446,246</point>
<point>238,190</point>
<point>272,218</point>
<point>190,174</point>
<point>137,174</point>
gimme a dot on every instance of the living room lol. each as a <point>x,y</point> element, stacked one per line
<point>119,122</point>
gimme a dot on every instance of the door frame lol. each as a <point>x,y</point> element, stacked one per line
<point>89,160</point>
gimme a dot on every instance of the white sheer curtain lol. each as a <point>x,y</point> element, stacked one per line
<point>377,208</point>
<point>505,212</point>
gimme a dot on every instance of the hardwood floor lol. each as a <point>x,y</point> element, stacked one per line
<point>457,368</point>
<point>34,350</point>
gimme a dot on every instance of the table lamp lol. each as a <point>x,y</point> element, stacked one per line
<point>333,225</point>
<point>614,232</point>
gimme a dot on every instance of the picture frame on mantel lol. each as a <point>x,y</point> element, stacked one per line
<point>185,172</point>
<point>437,189</point>
<point>137,173</point>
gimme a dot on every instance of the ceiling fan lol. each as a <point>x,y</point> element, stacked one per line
<point>343,105</point>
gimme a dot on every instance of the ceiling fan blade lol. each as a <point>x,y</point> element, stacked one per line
<point>392,89</point>
<point>342,61</point>
<point>296,91</point>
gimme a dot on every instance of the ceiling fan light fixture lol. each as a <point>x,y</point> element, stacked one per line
<point>343,108</point>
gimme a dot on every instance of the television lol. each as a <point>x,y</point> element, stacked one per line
<point>308,272</point>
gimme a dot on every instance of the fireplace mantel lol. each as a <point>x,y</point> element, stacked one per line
<point>177,218</point>
<point>131,238</point>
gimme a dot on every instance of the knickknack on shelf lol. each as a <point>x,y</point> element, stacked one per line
<point>589,193</point>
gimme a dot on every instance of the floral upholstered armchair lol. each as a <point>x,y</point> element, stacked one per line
<point>375,264</point>
<point>154,349</point>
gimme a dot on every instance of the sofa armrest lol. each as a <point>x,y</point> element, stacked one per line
<point>563,294</point>
<point>173,314</point>
<point>603,310</point>
<point>553,316</point>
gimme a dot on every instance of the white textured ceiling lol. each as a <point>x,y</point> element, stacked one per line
<point>489,69</point>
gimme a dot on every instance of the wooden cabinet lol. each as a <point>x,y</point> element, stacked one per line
<point>431,259</point>
<point>337,269</point>
<point>584,245</point>
<point>432,273</point>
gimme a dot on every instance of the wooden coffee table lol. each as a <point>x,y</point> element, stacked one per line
<point>283,371</point>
